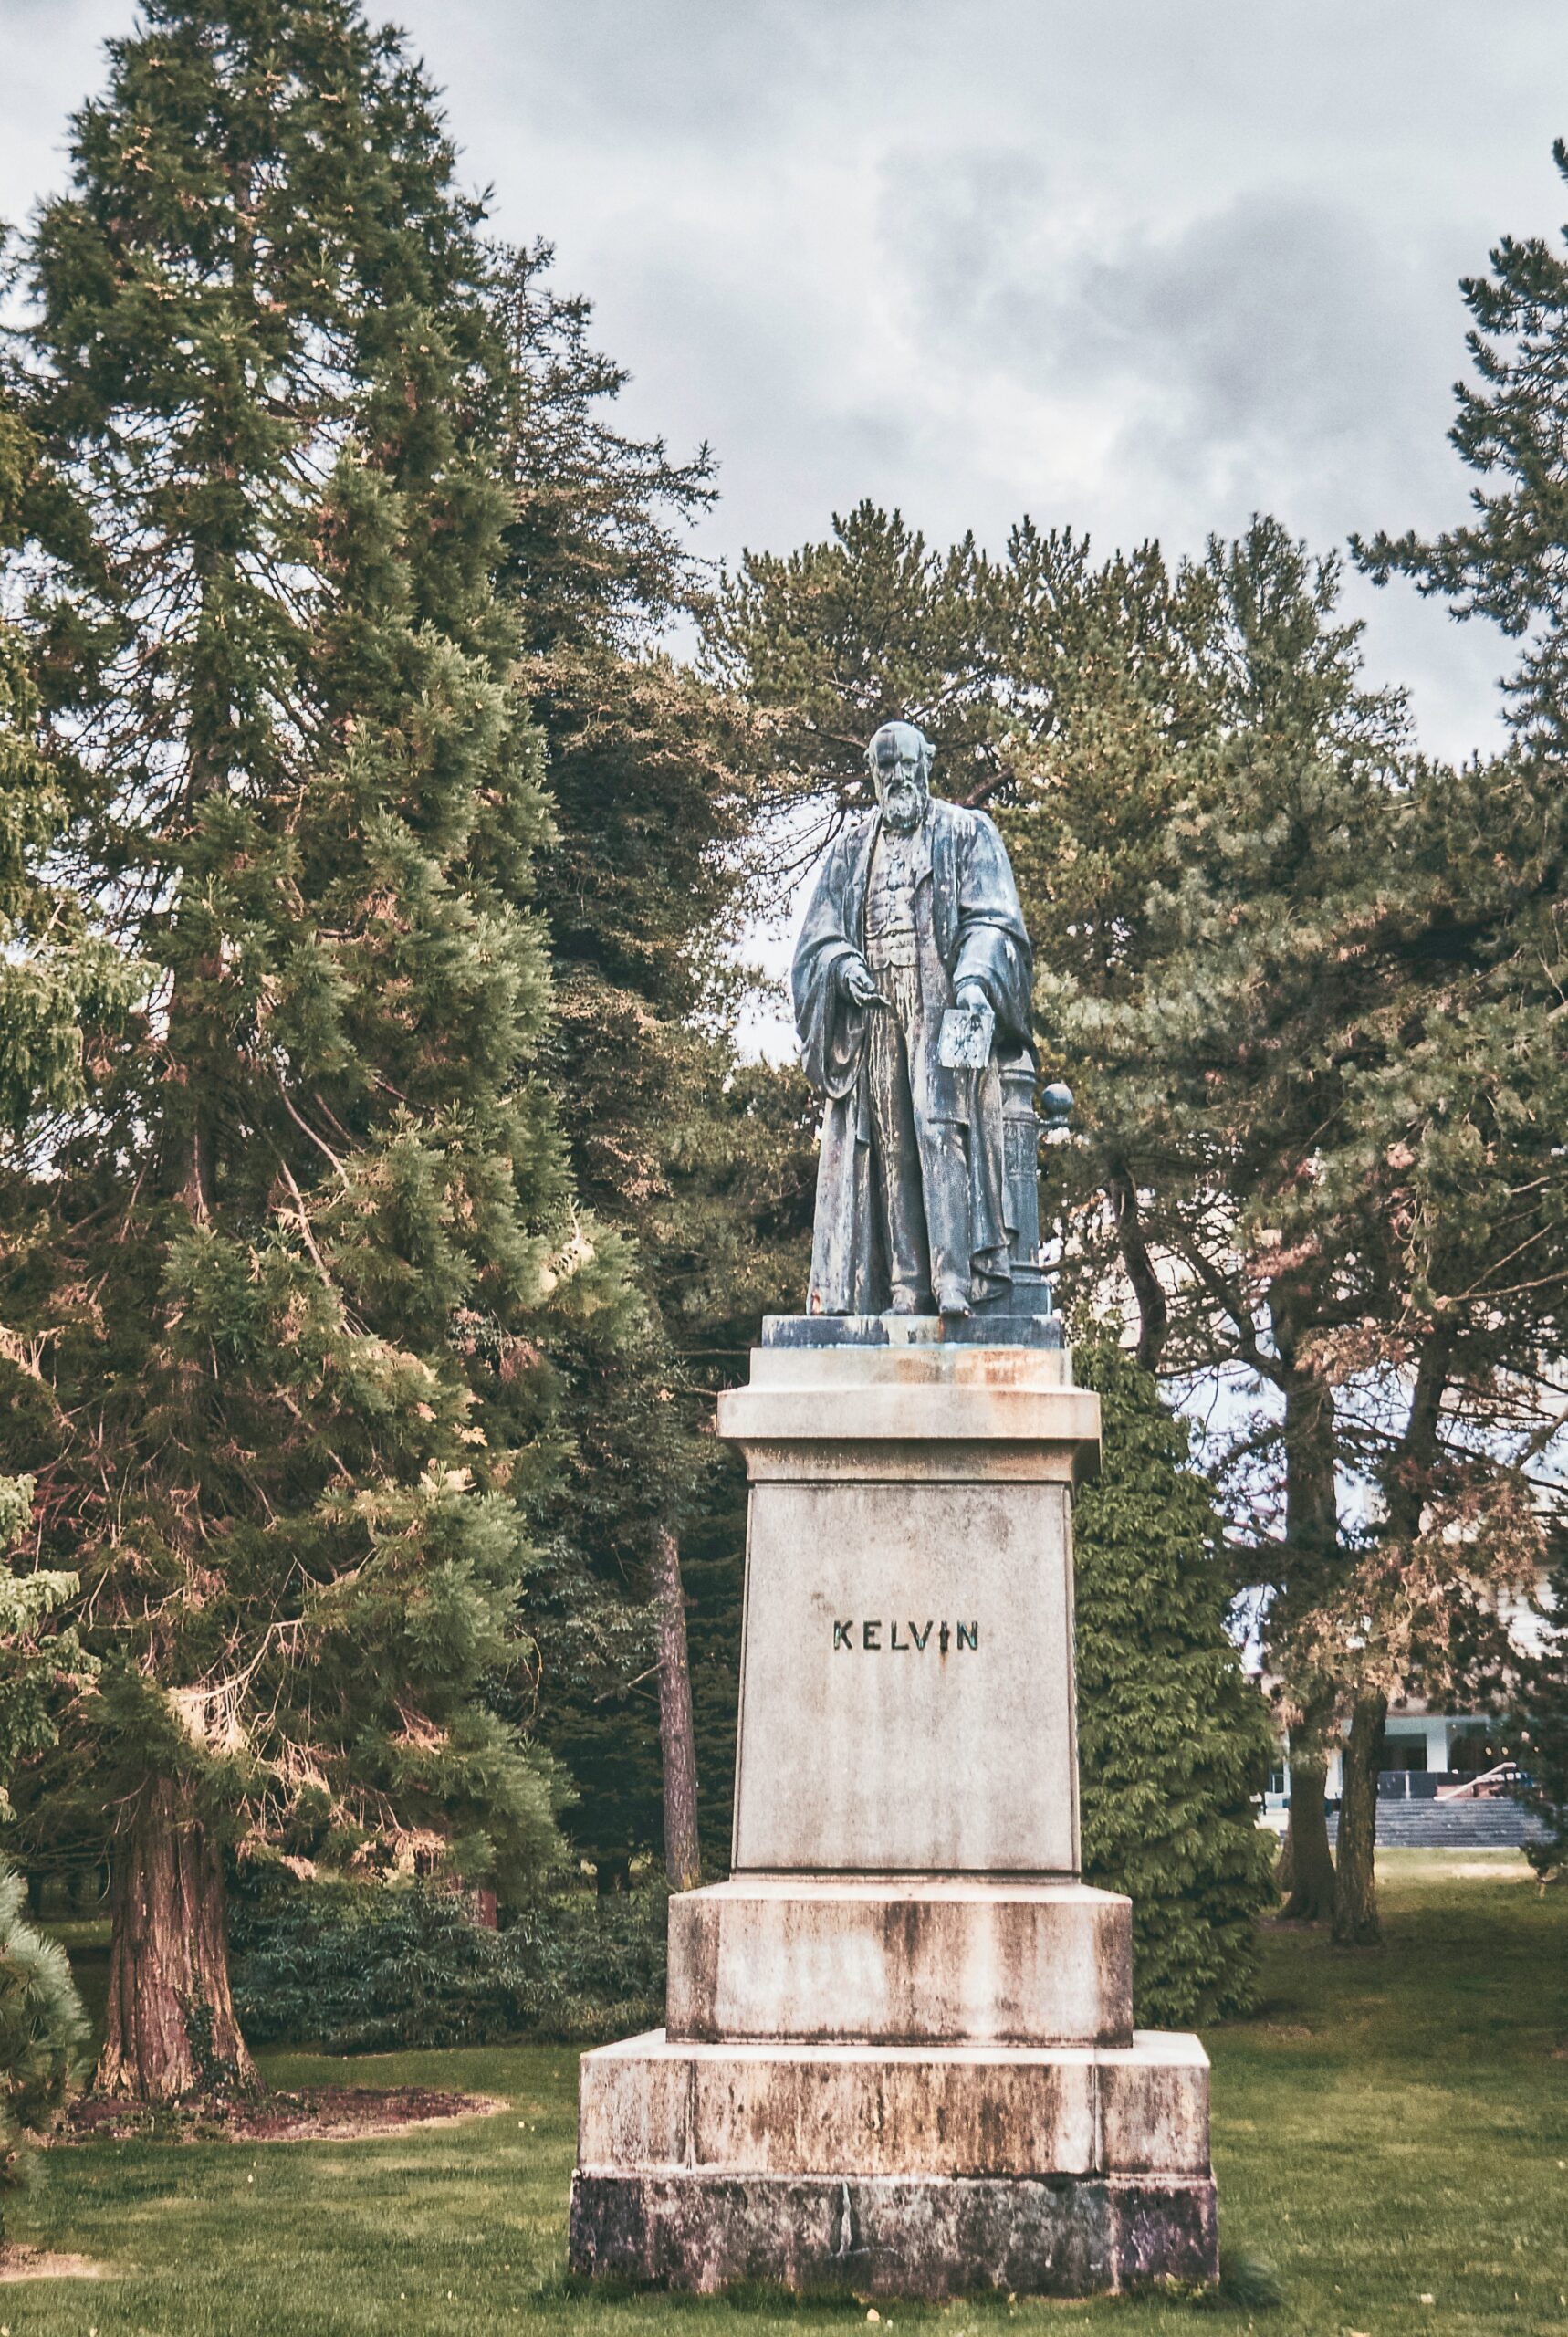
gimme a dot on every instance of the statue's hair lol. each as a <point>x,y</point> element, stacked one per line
<point>892,730</point>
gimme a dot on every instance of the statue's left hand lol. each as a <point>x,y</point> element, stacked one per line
<point>859,984</point>
<point>971,997</point>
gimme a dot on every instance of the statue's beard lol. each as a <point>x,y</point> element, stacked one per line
<point>904,808</point>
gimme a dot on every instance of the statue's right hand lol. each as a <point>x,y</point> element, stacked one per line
<point>855,976</point>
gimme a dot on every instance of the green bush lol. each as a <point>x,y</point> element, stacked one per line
<point>43,2033</point>
<point>1174,1739</point>
<point>1543,1745</point>
<point>367,1968</point>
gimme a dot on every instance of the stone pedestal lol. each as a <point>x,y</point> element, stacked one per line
<point>899,2054</point>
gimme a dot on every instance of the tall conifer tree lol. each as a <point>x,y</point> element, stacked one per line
<point>653,800</point>
<point>1336,1140</point>
<point>291,1265</point>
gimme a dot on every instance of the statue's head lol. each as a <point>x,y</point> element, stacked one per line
<point>899,760</point>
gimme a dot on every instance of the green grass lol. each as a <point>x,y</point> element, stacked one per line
<point>1394,2122</point>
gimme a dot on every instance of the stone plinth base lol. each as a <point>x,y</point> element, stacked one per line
<point>920,2170</point>
<point>906,1653</point>
<point>896,2236</point>
<point>901,1962</point>
<point>899,2055</point>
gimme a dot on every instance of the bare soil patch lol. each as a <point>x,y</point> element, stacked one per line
<point>327,2114</point>
<point>41,2264</point>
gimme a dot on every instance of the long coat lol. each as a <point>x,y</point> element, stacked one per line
<point>978,931</point>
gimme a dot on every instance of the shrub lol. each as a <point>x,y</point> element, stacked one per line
<point>367,1969</point>
<point>43,2034</point>
<point>1174,1739</point>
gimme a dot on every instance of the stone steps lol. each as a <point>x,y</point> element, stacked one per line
<point>1450,1825</point>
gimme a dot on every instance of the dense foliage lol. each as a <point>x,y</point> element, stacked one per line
<point>43,2033</point>
<point>354,1969</point>
<point>289,1270</point>
<point>655,806</point>
<point>1174,1739</point>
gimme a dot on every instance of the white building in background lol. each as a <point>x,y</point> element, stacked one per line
<point>1428,1751</point>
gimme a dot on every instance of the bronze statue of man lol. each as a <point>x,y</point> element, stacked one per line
<point>912,981</point>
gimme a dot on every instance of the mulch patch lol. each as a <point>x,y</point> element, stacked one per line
<point>327,2113</point>
<point>43,2264</point>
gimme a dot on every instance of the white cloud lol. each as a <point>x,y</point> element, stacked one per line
<point>1139,266</point>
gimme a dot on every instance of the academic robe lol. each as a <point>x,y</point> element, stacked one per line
<point>979,934</point>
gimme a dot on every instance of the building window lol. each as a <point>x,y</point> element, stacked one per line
<point>1474,1750</point>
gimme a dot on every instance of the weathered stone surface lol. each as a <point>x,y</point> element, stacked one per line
<point>933,2236</point>
<point>1154,2106</point>
<point>886,1714</point>
<point>860,2111</point>
<point>941,1960</point>
<point>916,1390</point>
<point>899,2055</point>
<point>906,1669</point>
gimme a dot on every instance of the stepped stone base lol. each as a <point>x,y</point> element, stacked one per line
<point>920,2170</point>
<point>899,2056</point>
<point>896,2236</point>
<point>901,1962</point>
<point>653,2103</point>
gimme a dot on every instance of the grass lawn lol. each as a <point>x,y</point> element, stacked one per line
<point>1392,2127</point>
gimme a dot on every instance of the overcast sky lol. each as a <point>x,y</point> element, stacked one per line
<point>1144,265</point>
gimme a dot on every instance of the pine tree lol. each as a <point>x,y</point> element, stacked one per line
<point>292,1268</point>
<point>1204,1048</point>
<point>1505,564</point>
<point>57,980</point>
<point>1316,1113</point>
<point>839,638</point>
<point>1492,847</point>
<point>654,803</point>
<point>1174,1740</point>
<point>55,974</point>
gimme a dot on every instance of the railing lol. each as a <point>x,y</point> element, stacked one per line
<point>1491,1786</point>
<point>1446,1785</point>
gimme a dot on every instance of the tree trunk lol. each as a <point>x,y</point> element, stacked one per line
<point>1311,1550</point>
<point>170,2027</point>
<point>1356,1923</point>
<point>1305,1856</point>
<point>1406,1485</point>
<point>678,1738</point>
<point>1154,1315</point>
<point>1285,1861</point>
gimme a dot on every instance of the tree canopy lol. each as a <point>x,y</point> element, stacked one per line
<point>285,1268</point>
